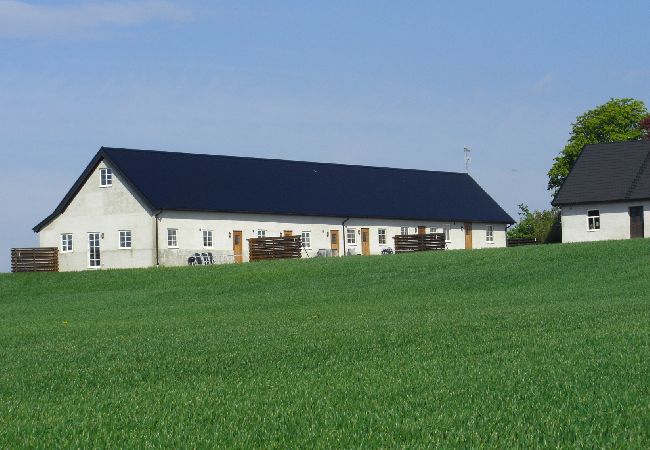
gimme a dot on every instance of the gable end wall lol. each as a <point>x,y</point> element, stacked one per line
<point>104,210</point>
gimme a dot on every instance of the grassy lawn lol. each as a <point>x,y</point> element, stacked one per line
<point>536,346</point>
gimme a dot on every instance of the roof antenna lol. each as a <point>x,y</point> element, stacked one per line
<point>468,158</point>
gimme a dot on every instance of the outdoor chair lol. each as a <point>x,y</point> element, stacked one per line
<point>206,258</point>
<point>210,258</point>
<point>191,261</point>
<point>198,259</point>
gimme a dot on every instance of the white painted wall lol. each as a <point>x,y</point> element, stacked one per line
<point>614,221</point>
<point>105,210</point>
<point>190,226</point>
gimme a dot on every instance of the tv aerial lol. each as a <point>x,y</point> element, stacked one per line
<point>468,158</point>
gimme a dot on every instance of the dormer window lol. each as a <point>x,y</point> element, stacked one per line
<point>105,177</point>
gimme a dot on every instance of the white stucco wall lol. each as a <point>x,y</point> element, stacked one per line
<point>105,210</point>
<point>614,221</point>
<point>190,226</point>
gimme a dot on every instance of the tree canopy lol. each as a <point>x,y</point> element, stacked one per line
<point>617,120</point>
<point>645,127</point>
<point>535,224</point>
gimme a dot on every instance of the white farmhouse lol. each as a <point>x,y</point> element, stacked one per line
<point>142,208</point>
<point>607,193</point>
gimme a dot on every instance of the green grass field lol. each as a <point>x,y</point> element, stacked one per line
<point>536,346</point>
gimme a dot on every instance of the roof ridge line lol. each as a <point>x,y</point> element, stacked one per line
<point>283,160</point>
<point>637,177</point>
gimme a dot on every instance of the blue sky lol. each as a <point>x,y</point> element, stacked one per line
<point>402,84</point>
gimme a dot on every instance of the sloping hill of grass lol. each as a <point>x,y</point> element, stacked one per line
<point>512,347</point>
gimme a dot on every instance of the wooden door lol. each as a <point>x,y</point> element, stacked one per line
<point>287,233</point>
<point>365,241</point>
<point>237,246</point>
<point>636,222</point>
<point>468,235</point>
<point>422,230</point>
<point>334,242</point>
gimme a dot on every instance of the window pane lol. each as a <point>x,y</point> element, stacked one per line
<point>306,239</point>
<point>171,237</point>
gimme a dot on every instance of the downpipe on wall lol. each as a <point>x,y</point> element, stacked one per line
<point>157,251</point>
<point>343,234</point>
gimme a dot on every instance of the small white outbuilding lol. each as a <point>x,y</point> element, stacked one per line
<point>607,193</point>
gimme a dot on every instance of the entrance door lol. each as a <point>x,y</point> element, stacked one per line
<point>636,222</point>
<point>287,233</point>
<point>237,247</point>
<point>468,235</point>
<point>94,259</point>
<point>334,242</point>
<point>422,230</point>
<point>365,241</point>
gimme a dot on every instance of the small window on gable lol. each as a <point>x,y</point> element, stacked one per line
<point>489,233</point>
<point>66,242</point>
<point>105,177</point>
<point>593,219</point>
<point>125,239</point>
<point>381,233</point>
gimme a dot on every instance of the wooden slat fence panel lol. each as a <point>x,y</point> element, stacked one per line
<point>39,259</point>
<point>419,242</point>
<point>517,242</point>
<point>274,248</point>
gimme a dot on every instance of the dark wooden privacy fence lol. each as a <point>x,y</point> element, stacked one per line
<point>40,259</point>
<point>517,242</point>
<point>419,242</point>
<point>274,248</point>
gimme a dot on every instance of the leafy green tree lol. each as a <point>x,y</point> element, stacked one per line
<point>541,225</point>
<point>644,125</point>
<point>617,120</point>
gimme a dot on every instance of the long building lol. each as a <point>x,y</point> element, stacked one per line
<point>141,208</point>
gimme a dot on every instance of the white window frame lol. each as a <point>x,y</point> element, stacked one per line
<point>404,231</point>
<point>208,241</point>
<point>305,238</point>
<point>351,236</point>
<point>446,229</point>
<point>489,234</point>
<point>172,237</point>
<point>66,243</point>
<point>125,240</point>
<point>593,220</point>
<point>381,236</point>
<point>105,177</point>
<point>261,233</point>
<point>91,261</point>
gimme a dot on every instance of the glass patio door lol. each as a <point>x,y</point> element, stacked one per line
<point>94,260</point>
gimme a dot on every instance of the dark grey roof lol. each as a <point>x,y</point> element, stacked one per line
<point>189,182</point>
<point>613,171</point>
